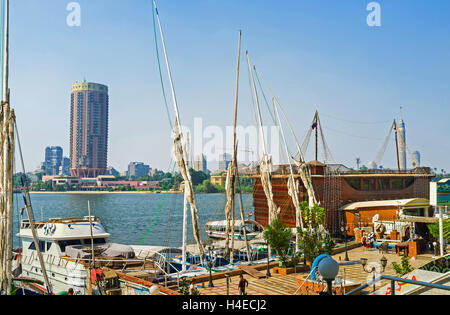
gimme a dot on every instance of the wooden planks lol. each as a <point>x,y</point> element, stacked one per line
<point>252,272</point>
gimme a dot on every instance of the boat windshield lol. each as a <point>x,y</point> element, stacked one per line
<point>64,244</point>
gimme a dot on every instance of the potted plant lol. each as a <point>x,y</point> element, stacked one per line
<point>314,240</point>
<point>279,237</point>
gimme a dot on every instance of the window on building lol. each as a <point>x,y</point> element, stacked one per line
<point>368,184</point>
<point>409,182</point>
<point>383,184</point>
<point>397,183</point>
<point>354,183</point>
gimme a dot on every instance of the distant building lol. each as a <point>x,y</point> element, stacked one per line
<point>53,160</point>
<point>416,155</point>
<point>219,179</point>
<point>402,144</point>
<point>138,169</point>
<point>64,169</point>
<point>112,172</point>
<point>89,129</point>
<point>200,164</point>
<point>224,161</point>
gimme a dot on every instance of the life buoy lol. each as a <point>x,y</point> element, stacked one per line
<point>46,229</point>
<point>380,228</point>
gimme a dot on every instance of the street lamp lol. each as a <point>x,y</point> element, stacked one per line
<point>329,269</point>
<point>383,261</point>
<point>268,267</point>
<point>211,285</point>
<point>344,230</point>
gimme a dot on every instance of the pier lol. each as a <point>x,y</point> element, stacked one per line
<point>278,284</point>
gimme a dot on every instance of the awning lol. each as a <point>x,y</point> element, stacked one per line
<point>414,202</point>
<point>428,220</point>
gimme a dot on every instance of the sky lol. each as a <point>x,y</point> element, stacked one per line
<point>314,54</point>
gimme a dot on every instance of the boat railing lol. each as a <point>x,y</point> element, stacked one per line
<point>161,262</point>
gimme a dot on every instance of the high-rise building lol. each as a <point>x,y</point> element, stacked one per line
<point>200,163</point>
<point>416,155</point>
<point>138,169</point>
<point>402,144</point>
<point>224,161</point>
<point>64,169</point>
<point>89,129</point>
<point>53,160</point>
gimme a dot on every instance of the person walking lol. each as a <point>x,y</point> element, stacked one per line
<point>192,287</point>
<point>243,284</point>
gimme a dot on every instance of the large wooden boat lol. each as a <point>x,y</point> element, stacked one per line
<point>336,186</point>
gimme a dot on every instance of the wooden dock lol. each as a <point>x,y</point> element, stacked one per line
<point>287,284</point>
<point>252,271</point>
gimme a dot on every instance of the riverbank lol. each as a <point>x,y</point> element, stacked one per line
<point>102,192</point>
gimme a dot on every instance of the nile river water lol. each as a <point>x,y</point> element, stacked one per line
<point>136,219</point>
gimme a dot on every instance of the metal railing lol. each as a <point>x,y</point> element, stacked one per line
<point>396,279</point>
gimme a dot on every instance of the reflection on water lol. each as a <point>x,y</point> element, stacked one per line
<point>148,219</point>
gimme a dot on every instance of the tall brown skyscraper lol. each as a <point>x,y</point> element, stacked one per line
<point>88,129</point>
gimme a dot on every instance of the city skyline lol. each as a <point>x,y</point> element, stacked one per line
<point>355,75</point>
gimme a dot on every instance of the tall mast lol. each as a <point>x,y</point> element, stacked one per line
<point>292,186</point>
<point>6,55</point>
<point>304,171</point>
<point>179,148</point>
<point>7,121</point>
<point>29,209</point>
<point>317,140</point>
<point>396,144</point>
<point>235,162</point>
<point>265,164</point>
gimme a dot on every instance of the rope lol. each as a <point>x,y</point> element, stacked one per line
<point>159,66</point>
<point>264,95</point>
<point>356,122</point>
<point>152,225</point>
<point>383,148</point>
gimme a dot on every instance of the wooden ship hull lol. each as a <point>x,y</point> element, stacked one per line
<point>335,189</point>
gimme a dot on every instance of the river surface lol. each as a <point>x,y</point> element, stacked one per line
<point>135,219</point>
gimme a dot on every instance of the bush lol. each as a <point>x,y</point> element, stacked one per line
<point>312,242</point>
<point>279,237</point>
<point>404,267</point>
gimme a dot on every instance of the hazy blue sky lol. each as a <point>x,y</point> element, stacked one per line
<point>315,54</point>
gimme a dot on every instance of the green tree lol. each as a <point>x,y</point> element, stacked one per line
<point>434,230</point>
<point>198,177</point>
<point>279,237</point>
<point>184,288</point>
<point>312,242</point>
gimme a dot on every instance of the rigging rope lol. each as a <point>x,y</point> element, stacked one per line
<point>383,148</point>
<point>152,225</point>
<point>159,66</point>
<point>264,95</point>
<point>355,122</point>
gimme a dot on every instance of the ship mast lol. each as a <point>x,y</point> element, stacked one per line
<point>7,121</point>
<point>396,144</point>
<point>303,169</point>
<point>292,185</point>
<point>179,148</point>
